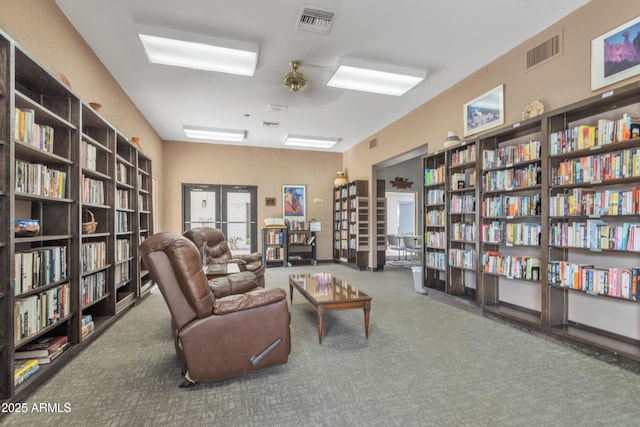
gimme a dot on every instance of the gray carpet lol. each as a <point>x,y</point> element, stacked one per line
<point>425,363</point>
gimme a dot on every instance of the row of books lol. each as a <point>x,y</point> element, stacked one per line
<point>510,179</point>
<point>89,155</point>
<point>92,191</point>
<point>597,168</point>
<point>298,238</point>
<point>460,180</point>
<point>463,231</point>
<point>123,249</point>
<point>505,233</point>
<point>121,273</point>
<point>587,136</point>
<point>434,217</point>
<point>299,225</point>
<point>512,206</point>
<point>93,255</point>
<point>615,282</point>
<point>588,202</point>
<point>94,287</point>
<point>35,312</point>
<point>462,203</point>
<point>41,180</point>
<point>462,258</point>
<point>44,350</point>
<point>38,267</point>
<point>122,222</point>
<point>435,196</point>
<point>434,176</point>
<point>435,260</point>
<point>511,266</point>
<point>122,175</point>
<point>274,237</point>
<point>122,199</point>
<point>274,254</point>
<point>435,239</point>
<point>88,326</point>
<point>461,157</point>
<point>29,132</point>
<point>596,234</point>
<point>511,155</point>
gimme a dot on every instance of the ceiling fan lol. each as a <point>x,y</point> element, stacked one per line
<point>294,80</point>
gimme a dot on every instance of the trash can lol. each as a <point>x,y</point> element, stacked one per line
<point>418,279</point>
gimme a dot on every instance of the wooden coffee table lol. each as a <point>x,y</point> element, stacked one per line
<point>335,296</point>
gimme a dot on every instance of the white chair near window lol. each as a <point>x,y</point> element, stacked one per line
<point>396,244</point>
<point>413,246</point>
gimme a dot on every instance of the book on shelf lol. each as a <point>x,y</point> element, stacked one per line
<point>23,369</point>
<point>42,347</point>
<point>52,356</point>
<point>311,240</point>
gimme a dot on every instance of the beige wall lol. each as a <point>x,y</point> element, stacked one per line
<point>559,82</point>
<point>42,30</point>
<point>269,169</point>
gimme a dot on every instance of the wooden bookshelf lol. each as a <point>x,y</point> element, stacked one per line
<point>301,243</point>
<point>351,234</point>
<point>434,260</point>
<point>81,277</point>
<point>274,246</point>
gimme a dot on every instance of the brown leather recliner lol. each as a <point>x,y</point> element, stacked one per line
<point>216,338</point>
<point>218,251</point>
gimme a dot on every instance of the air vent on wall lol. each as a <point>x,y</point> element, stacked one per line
<point>544,52</point>
<point>373,143</point>
<point>316,20</point>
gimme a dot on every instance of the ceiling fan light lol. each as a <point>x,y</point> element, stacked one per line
<point>213,134</point>
<point>385,79</point>
<point>198,51</point>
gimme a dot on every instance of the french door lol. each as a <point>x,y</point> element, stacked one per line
<point>230,208</point>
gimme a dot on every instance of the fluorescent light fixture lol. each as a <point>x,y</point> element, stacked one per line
<point>201,52</point>
<point>310,141</point>
<point>365,76</point>
<point>213,134</point>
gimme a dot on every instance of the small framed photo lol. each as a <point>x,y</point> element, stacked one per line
<point>615,55</point>
<point>293,202</point>
<point>269,201</point>
<point>484,112</point>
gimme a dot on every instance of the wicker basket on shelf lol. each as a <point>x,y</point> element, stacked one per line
<point>89,227</point>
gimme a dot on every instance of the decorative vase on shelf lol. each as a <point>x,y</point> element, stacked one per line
<point>452,139</point>
<point>340,179</point>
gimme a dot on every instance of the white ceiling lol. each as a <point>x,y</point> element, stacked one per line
<point>450,39</point>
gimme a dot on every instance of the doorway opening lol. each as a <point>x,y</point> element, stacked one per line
<point>401,213</point>
<point>230,208</point>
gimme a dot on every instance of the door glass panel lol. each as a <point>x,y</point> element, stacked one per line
<point>238,221</point>
<point>202,208</point>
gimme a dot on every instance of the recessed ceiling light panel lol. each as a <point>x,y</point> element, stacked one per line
<point>310,141</point>
<point>213,134</point>
<point>385,79</point>
<point>198,51</point>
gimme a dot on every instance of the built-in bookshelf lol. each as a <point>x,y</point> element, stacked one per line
<point>381,225</point>
<point>462,220</point>
<point>594,221</point>
<point>145,218</point>
<point>435,220</point>
<point>64,270</point>
<point>274,246</point>
<point>511,219</point>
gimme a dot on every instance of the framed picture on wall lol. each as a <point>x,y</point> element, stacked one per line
<point>293,202</point>
<point>484,112</point>
<point>615,55</point>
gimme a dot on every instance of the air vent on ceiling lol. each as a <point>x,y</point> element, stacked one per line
<point>544,52</point>
<point>373,143</point>
<point>314,19</point>
<point>270,124</point>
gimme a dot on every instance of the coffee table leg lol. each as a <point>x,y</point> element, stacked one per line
<point>291,292</point>
<point>367,309</point>
<point>320,319</point>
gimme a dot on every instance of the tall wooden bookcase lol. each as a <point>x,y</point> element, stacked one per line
<point>90,190</point>
<point>557,203</point>
<point>351,234</point>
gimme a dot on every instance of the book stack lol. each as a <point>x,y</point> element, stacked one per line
<point>43,350</point>
<point>87,325</point>
<point>23,369</point>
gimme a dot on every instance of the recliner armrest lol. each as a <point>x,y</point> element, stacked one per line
<point>247,301</point>
<point>249,258</point>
